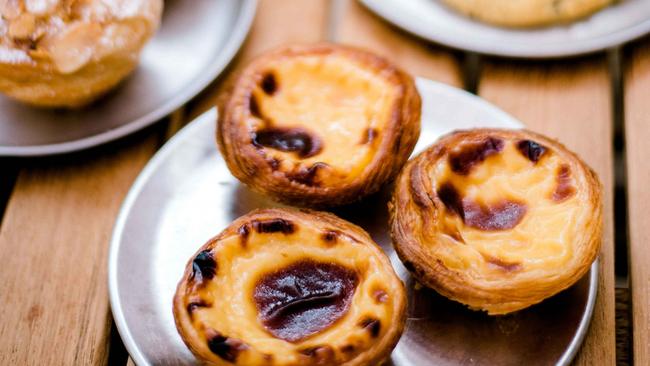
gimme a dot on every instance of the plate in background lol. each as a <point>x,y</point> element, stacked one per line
<point>186,195</point>
<point>196,41</point>
<point>434,21</point>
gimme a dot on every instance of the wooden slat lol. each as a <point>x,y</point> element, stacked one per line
<point>637,126</point>
<point>357,26</point>
<point>53,245</point>
<point>570,101</point>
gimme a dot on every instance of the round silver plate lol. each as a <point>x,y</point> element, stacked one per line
<point>196,41</point>
<point>433,20</point>
<point>186,195</point>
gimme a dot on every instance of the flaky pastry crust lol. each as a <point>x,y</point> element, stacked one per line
<point>497,219</point>
<point>319,125</point>
<point>528,13</point>
<point>288,287</point>
<point>67,53</point>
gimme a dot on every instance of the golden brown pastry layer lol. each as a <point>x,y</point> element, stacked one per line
<point>286,287</point>
<point>66,53</point>
<point>528,13</point>
<point>319,125</point>
<point>497,219</point>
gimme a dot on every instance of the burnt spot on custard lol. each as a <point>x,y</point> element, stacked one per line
<point>204,266</point>
<point>320,354</point>
<point>304,298</point>
<point>254,107</point>
<point>307,176</point>
<point>380,296</point>
<point>372,325</point>
<point>330,236</point>
<point>243,232</point>
<point>531,150</point>
<point>502,215</point>
<point>295,140</point>
<point>274,163</point>
<point>369,135</point>
<point>226,348</point>
<point>269,84</point>
<point>462,162</point>
<point>564,190</point>
<point>273,226</point>
<point>506,266</point>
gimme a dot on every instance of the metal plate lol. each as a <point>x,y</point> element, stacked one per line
<point>432,20</point>
<point>196,41</point>
<point>186,195</point>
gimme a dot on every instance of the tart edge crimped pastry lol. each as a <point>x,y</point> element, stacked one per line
<point>325,221</point>
<point>414,209</point>
<point>248,165</point>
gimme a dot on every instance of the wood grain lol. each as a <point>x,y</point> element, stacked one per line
<point>570,101</point>
<point>637,126</point>
<point>357,26</point>
<point>53,243</point>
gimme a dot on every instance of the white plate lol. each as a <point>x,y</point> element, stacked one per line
<point>432,20</point>
<point>196,41</point>
<point>186,195</point>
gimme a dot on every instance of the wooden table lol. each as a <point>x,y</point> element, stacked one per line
<point>59,211</point>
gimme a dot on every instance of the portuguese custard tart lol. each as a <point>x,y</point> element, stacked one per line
<point>528,13</point>
<point>286,287</point>
<point>497,219</point>
<point>66,53</point>
<point>319,125</point>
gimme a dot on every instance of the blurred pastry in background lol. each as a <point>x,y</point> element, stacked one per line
<point>527,13</point>
<point>67,53</point>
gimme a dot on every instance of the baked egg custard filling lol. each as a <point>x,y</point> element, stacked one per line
<point>497,219</point>
<point>312,110</point>
<point>276,288</point>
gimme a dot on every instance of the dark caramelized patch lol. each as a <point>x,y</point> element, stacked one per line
<point>304,298</point>
<point>254,107</point>
<point>461,162</point>
<point>269,84</point>
<point>273,226</point>
<point>531,150</point>
<point>321,354</point>
<point>203,266</point>
<point>451,198</point>
<point>224,347</point>
<point>244,232</point>
<point>330,236</point>
<point>372,325</point>
<point>380,296</point>
<point>502,215</point>
<point>506,266</point>
<point>348,348</point>
<point>307,176</point>
<point>369,136</point>
<point>192,306</point>
<point>564,189</point>
<point>295,140</point>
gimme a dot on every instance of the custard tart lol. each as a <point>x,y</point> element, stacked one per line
<point>497,219</point>
<point>66,53</point>
<point>319,125</point>
<point>286,287</point>
<point>528,13</point>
